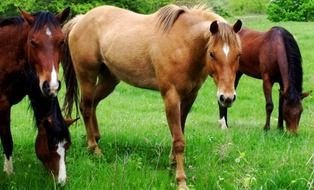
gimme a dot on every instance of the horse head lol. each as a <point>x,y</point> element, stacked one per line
<point>44,47</point>
<point>223,55</point>
<point>52,142</point>
<point>292,110</point>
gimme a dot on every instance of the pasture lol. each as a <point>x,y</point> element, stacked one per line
<point>136,140</point>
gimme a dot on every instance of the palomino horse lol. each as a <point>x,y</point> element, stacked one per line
<point>273,56</point>
<point>172,51</point>
<point>31,48</point>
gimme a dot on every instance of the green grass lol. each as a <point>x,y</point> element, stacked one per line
<point>136,140</point>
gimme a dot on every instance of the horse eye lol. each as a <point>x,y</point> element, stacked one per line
<point>34,44</point>
<point>61,43</point>
<point>212,55</point>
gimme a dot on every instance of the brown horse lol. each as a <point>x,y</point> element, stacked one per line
<point>273,56</point>
<point>172,51</point>
<point>30,51</point>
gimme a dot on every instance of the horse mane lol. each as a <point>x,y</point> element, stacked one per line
<point>44,17</point>
<point>226,34</point>
<point>295,71</point>
<point>16,20</point>
<point>168,15</point>
<point>41,18</point>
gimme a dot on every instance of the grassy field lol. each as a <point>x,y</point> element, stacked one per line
<point>136,140</point>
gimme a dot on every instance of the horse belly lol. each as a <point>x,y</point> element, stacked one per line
<point>128,57</point>
<point>138,74</point>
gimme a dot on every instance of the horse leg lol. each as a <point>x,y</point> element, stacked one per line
<point>105,85</point>
<point>185,108</point>
<point>6,140</point>
<point>223,111</point>
<point>172,106</point>
<point>267,87</point>
<point>87,81</point>
<point>280,114</point>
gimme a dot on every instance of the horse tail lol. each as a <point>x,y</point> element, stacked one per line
<point>295,71</point>
<point>72,91</point>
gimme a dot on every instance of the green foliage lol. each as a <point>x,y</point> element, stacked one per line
<point>293,10</point>
<point>241,7</point>
<point>9,7</point>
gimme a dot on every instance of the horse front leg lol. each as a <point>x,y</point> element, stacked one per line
<point>172,107</point>
<point>6,140</point>
<point>267,87</point>
<point>185,108</point>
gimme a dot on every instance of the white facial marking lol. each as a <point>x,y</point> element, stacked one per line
<point>48,32</point>
<point>62,170</point>
<point>226,49</point>
<point>54,84</point>
<point>223,123</point>
<point>8,165</point>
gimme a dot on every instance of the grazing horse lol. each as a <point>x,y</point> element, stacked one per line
<point>273,56</point>
<point>172,51</point>
<point>30,52</point>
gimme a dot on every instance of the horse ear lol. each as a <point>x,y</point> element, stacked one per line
<point>305,94</point>
<point>214,27</point>
<point>61,17</point>
<point>27,16</point>
<point>69,122</point>
<point>237,26</point>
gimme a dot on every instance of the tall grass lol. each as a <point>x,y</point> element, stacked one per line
<point>136,140</point>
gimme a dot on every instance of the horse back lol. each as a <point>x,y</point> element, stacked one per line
<point>132,46</point>
<point>12,61</point>
<point>261,52</point>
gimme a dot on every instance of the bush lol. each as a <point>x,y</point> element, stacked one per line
<point>293,10</point>
<point>242,7</point>
<point>9,7</point>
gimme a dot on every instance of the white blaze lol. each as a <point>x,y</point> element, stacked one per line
<point>8,165</point>
<point>48,32</point>
<point>226,49</point>
<point>62,170</point>
<point>54,84</point>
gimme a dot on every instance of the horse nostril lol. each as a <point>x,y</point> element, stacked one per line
<point>222,98</point>
<point>234,98</point>
<point>46,88</point>
<point>59,85</point>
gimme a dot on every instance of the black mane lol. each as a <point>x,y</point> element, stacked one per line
<point>294,67</point>
<point>16,20</point>
<point>43,18</point>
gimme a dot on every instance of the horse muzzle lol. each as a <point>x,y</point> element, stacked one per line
<point>226,100</point>
<point>51,89</point>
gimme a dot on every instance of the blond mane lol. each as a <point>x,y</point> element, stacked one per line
<point>226,34</point>
<point>168,15</point>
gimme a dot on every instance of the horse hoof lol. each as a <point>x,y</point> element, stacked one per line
<point>182,186</point>
<point>98,152</point>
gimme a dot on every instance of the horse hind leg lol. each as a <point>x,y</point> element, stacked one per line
<point>106,83</point>
<point>6,140</point>
<point>99,85</point>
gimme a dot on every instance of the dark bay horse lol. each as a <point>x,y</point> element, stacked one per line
<point>273,56</point>
<point>30,51</point>
<point>171,51</point>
